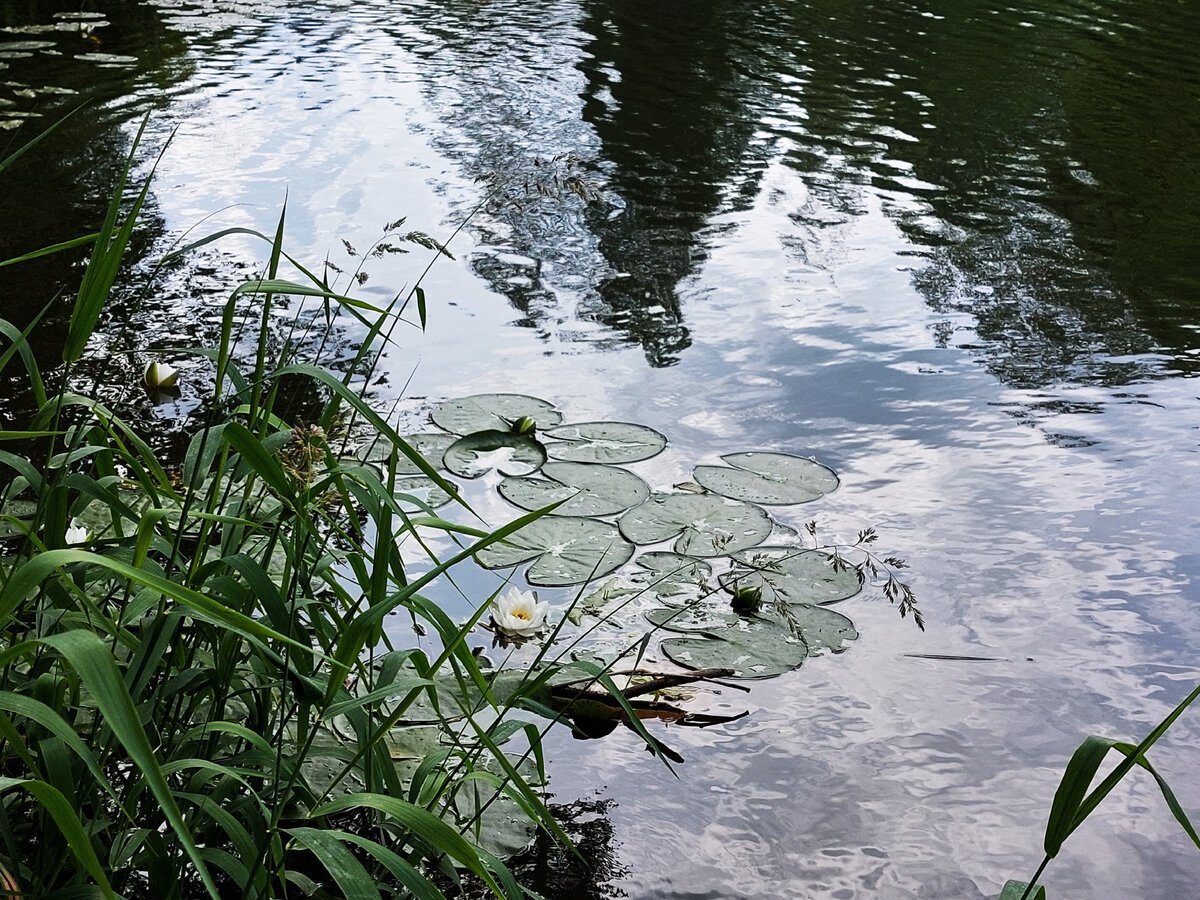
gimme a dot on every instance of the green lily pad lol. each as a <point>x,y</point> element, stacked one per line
<point>774,479</point>
<point>697,618</point>
<point>605,442</point>
<point>418,493</point>
<point>431,446</point>
<point>22,511</point>
<point>671,575</point>
<point>493,412</point>
<point>766,644</point>
<point>507,451</point>
<point>706,524</point>
<point>587,489</point>
<point>791,575</point>
<point>566,550</point>
<point>747,659</point>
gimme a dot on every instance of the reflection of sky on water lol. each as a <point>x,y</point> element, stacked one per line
<point>830,297</point>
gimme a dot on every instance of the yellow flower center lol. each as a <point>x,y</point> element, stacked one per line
<point>522,614</point>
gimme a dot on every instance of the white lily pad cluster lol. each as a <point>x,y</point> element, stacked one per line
<point>737,588</point>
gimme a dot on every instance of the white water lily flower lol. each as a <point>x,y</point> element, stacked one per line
<point>519,613</point>
<point>160,375</point>
<point>75,534</point>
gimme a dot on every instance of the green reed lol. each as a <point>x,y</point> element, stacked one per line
<point>198,696</point>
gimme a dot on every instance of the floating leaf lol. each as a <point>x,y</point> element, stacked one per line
<point>670,575</point>
<point>605,442</point>
<point>417,493</point>
<point>707,525</point>
<point>755,659</point>
<point>697,618</point>
<point>431,446</point>
<point>774,479</point>
<point>765,644</point>
<point>566,550</point>
<point>791,575</point>
<point>588,490</point>
<point>493,412</point>
<point>22,511</point>
<point>507,451</point>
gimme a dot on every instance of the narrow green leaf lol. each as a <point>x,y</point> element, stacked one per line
<point>1072,790</point>
<point>68,823</point>
<point>98,670</point>
<point>420,822</point>
<point>352,879</point>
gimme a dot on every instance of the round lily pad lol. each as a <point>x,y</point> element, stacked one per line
<point>790,574</point>
<point>507,451</point>
<point>431,446</point>
<point>698,618</point>
<point>493,412</point>
<point>14,512</point>
<point>588,490</point>
<point>417,493</point>
<point>774,479</point>
<point>763,645</point>
<point>605,442</point>
<point>565,549</point>
<point>671,575</point>
<point>747,658</point>
<point>706,524</point>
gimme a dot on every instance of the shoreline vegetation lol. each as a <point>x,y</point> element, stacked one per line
<point>199,695</point>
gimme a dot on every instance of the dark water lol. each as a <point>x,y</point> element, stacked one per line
<point>948,247</point>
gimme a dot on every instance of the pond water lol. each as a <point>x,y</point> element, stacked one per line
<point>949,248</point>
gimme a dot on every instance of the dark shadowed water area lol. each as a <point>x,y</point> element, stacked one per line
<point>949,248</point>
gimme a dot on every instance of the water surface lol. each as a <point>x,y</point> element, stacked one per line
<point>948,248</point>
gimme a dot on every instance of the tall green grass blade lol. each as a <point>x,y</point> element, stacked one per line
<point>20,344</point>
<point>25,580</point>
<point>420,822</point>
<point>109,250</point>
<point>351,878</point>
<point>68,823</point>
<point>34,141</point>
<point>404,872</point>
<point>99,673</point>
<point>45,716</point>
<point>1070,807</point>
<point>52,248</point>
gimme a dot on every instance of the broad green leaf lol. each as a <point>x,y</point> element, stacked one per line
<point>431,446</point>
<point>566,550</point>
<point>774,479</point>
<point>482,451</point>
<point>705,524</point>
<point>604,442</point>
<point>790,574</point>
<point>696,618</point>
<point>585,489</point>
<point>16,516</point>
<point>1015,890</point>
<point>754,646</point>
<point>493,412</point>
<point>424,491</point>
<point>747,658</point>
<point>670,574</point>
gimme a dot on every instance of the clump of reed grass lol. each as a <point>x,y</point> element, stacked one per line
<point>199,697</point>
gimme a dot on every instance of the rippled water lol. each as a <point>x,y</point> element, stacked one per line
<point>949,248</point>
